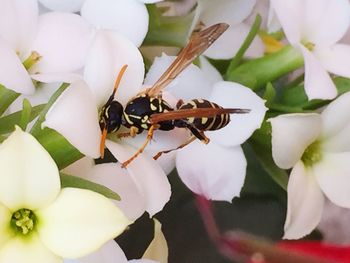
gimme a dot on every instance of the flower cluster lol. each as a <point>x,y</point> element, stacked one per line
<point>67,64</point>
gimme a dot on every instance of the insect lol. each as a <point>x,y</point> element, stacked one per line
<point>148,111</point>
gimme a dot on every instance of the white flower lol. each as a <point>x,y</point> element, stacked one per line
<point>232,12</point>
<point>315,27</point>
<point>128,17</point>
<point>75,116</point>
<point>40,222</point>
<point>317,148</point>
<point>60,39</point>
<point>216,170</point>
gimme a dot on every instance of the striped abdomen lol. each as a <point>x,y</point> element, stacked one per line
<point>206,124</point>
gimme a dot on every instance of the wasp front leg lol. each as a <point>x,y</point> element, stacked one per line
<point>142,148</point>
<point>133,131</point>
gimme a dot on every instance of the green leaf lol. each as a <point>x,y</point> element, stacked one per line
<point>254,30</point>
<point>261,145</point>
<point>25,114</point>
<point>37,126</point>
<point>167,30</point>
<point>6,98</point>
<point>7,123</point>
<point>78,182</point>
<point>269,94</point>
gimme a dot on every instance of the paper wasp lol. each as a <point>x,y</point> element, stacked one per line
<point>148,111</point>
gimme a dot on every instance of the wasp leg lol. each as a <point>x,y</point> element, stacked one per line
<point>140,150</point>
<point>131,133</point>
<point>198,134</point>
<point>192,138</point>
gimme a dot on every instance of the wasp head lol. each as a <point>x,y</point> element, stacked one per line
<point>111,116</point>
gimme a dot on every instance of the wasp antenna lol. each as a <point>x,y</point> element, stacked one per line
<point>102,142</point>
<point>118,79</point>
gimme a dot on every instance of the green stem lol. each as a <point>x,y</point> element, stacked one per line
<point>6,98</point>
<point>246,44</point>
<point>25,114</point>
<point>167,30</point>
<point>256,73</point>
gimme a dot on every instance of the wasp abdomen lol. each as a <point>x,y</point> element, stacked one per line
<point>206,123</point>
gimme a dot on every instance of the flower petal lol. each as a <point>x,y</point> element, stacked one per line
<point>62,42</point>
<point>230,42</point>
<point>150,1</point>
<point>18,24</point>
<point>190,84</point>
<point>75,116</point>
<point>333,174</point>
<point>63,5</point>
<point>108,52</point>
<point>5,221</point>
<point>211,73</point>
<point>288,13</point>
<point>132,201</point>
<point>56,77</point>
<point>335,130</point>
<point>318,84</point>
<point>29,177</point>
<point>241,127</point>
<point>142,261</point>
<point>19,250</point>
<point>13,75</point>
<point>232,12</point>
<point>127,17</point>
<point>108,253</point>
<point>291,135</point>
<point>305,203</point>
<point>336,59</point>
<point>158,248</point>
<point>148,176</point>
<point>78,222</point>
<point>211,170</point>
<point>325,21</point>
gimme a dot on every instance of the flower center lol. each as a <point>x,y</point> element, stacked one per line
<point>31,60</point>
<point>309,45</point>
<point>23,221</point>
<point>312,154</point>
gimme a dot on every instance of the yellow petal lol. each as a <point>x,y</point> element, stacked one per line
<point>158,248</point>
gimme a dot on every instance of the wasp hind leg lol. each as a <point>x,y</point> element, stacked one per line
<point>199,134</point>
<point>192,138</point>
<point>141,149</point>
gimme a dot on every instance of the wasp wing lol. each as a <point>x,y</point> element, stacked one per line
<point>199,42</point>
<point>195,113</point>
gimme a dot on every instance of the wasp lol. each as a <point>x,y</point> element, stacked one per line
<point>148,111</point>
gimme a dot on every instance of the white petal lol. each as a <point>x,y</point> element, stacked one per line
<point>81,168</point>
<point>241,127</point>
<point>333,174</point>
<point>232,12</point>
<point>191,83</point>
<point>273,24</point>
<point>291,135</point>
<point>325,21</point>
<point>18,24</point>
<point>127,17</point>
<point>108,253</point>
<point>335,59</point>
<point>13,75</point>
<point>150,1</point>
<point>132,201</point>
<point>288,13</point>
<point>5,221</point>
<point>305,203</point>
<point>63,5</point>
<point>79,222</point>
<point>19,250</point>
<point>75,116</point>
<point>56,77</point>
<point>211,170</point>
<point>229,43</point>
<point>158,248</point>
<point>29,177</point>
<point>211,73</point>
<point>142,261</point>
<point>318,83</point>
<point>336,125</point>
<point>148,176</point>
<point>62,42</point>
<point>108,52</point>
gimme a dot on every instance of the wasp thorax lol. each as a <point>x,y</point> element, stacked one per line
<point>111,116</point>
